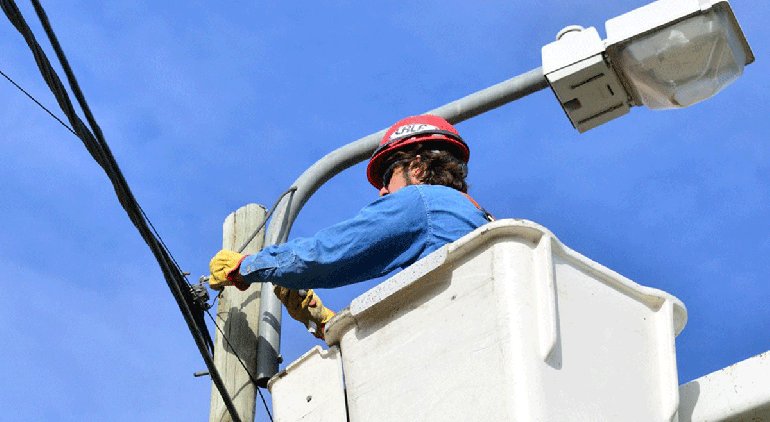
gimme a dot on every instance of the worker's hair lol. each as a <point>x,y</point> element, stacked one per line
<point>437,166</point>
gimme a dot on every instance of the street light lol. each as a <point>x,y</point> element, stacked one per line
<point>668,54</point>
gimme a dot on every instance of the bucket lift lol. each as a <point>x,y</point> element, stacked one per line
<point>509,324</point>
<point>505,324</point>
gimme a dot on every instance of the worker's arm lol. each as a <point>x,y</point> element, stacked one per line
<point>389,233</point>
<point>303,305</point>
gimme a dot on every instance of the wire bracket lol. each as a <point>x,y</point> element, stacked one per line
<point>200,293</point>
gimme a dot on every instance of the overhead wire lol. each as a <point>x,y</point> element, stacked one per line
<point>264,221</point>
<point>94,141</point>
<point>37,102</point>
<point>73,132</point>
<point>245,244</point>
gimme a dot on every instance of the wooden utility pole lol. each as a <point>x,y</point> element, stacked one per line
<point>238,316</point>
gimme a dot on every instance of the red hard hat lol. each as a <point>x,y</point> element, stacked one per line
<point>424,128</point>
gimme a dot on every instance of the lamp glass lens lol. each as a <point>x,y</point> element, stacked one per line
<point>684,63</point>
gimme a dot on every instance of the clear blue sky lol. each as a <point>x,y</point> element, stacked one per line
<point>208,106</point>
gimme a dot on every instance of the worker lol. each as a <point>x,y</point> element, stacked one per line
<point>419,169</point>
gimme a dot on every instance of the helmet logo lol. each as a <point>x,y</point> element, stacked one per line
<point>413,129</point>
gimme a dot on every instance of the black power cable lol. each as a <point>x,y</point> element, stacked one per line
<point>94,142</point>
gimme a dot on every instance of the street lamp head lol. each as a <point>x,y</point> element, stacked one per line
<point>674,53</point>
<point>668,54</point>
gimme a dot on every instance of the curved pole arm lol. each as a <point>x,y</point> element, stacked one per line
<point>313,178</point>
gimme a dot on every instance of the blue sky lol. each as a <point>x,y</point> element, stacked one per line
<point>210,106</point>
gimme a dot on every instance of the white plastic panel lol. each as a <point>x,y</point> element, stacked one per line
<point>310,389</point>
<point>738,393</point>
<point>583,82</point>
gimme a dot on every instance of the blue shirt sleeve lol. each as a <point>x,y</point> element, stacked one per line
<point>390,233</point>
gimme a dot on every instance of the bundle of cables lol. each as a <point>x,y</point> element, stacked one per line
<point>93,139</point>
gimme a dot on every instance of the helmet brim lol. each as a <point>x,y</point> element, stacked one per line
<point>379,161</point>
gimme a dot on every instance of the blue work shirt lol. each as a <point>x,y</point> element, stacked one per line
<point>390,233</point>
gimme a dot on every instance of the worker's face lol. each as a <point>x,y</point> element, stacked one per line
<point>396,182</point>
<point>400,178</point>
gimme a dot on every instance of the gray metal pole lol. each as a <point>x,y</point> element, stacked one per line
<point>343,158</point>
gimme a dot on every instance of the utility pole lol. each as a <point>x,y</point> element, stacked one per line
<point>238,316</point>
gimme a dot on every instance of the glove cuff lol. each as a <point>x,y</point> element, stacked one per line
<point>235,277</point>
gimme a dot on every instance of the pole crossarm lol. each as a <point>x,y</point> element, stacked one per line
<point>345,157</point>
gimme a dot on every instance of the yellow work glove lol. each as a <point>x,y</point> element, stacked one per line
<point>225,268</point>
<point>307,309</point>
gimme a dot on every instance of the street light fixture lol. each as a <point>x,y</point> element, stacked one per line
<point>668,54</point>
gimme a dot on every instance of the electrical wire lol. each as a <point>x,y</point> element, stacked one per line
<point>37,102</point>
<point>94,142</point>
<point>270,213</point>
<point>245,244</point>
<point>73,132</point>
